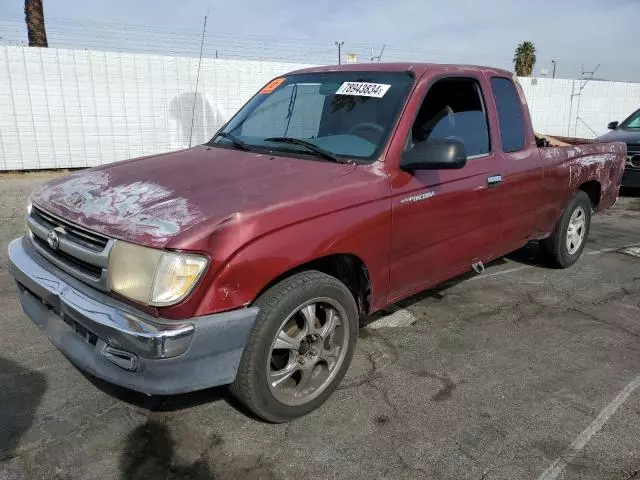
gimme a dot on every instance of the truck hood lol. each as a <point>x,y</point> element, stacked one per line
<point>631,136</point>
<point>150,200</point>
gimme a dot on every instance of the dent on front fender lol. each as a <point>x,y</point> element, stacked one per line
<point>362,231</point>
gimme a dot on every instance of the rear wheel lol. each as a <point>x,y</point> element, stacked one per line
<point>300,347</point>
<point>569,236</point>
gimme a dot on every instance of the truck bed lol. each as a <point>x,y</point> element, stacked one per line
<point>573,164</point>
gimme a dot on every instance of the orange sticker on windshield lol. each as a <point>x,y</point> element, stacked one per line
<point>272,85</point>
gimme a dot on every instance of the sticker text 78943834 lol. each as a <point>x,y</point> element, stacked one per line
<point>363,89</point>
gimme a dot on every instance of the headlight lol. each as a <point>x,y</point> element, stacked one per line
<point>152,276</point>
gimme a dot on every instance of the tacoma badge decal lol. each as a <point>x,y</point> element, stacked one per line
<point>417,198</point>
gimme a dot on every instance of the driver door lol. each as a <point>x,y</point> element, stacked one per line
<point>445,220</point>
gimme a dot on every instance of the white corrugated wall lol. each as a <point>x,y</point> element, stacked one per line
<point>74,108</point>
<point>554,112</point>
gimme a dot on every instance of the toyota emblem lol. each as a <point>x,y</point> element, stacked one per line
<point>52,239</point>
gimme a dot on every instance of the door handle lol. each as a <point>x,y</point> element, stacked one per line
<point>494,180</point>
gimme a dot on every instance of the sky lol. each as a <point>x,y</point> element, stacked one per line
<point>571,32</point>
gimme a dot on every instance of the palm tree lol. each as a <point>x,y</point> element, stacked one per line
<point>34,16</point>
<point>524,59</point>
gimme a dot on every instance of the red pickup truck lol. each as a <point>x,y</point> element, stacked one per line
<point>334,192</point>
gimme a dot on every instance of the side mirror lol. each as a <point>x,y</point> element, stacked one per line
<point>434,155</point>
<point>612,125</point>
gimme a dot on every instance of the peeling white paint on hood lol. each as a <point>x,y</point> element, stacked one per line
<point>139,211</point>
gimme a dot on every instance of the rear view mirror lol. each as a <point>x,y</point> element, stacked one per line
<point>434,155</point>
<point>329,88</point>
<point>612,125</point>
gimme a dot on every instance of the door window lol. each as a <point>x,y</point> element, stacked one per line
<point>509,114</point>
<point>453,109</point>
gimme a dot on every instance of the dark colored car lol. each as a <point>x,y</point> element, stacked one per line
<point>628,132</point>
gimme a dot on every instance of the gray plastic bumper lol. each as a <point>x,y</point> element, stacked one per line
<point>120,344</point>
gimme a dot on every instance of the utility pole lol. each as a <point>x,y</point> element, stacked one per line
<point>339,45</point>
<point>553,75</point>
<point>582,83</point>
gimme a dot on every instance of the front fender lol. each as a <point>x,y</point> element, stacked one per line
<point>363,231</point>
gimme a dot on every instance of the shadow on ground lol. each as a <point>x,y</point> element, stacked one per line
<point>528,255</point>
<point>149,454</point>
<point>531,255</point>
<point>170,403</point>
<point>21,390</point>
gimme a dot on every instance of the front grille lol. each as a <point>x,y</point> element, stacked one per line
<point>79,252</point>
<point>75,263</point>
<point>633,156</point>
<point>79,235</point>
<point>633,149</point>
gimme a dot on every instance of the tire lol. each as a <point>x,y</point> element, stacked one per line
<point>284,314</point>
<point>557,248</point>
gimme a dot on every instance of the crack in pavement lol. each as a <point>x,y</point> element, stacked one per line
<point>379,359</point>
<point>593,317</point>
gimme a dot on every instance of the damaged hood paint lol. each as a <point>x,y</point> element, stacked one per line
<point>151,200</point>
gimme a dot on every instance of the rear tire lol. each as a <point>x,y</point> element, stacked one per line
<point>567,241</point>
<point>300,347</point>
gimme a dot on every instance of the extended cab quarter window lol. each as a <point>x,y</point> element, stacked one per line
<point>453,109</point>
<point>509,114</point>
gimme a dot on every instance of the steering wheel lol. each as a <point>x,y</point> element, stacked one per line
<point>369,125</point>
<point>375,131</point>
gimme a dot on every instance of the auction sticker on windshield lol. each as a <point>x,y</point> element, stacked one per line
<point>363,89</point>
<point>272,85</point>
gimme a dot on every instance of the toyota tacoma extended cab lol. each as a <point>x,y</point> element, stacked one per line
<point>332,193</point>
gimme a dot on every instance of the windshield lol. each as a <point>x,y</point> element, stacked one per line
<point>633,121</point>
<point>336,114</point>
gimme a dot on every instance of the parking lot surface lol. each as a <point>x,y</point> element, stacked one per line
<point>524,372</point>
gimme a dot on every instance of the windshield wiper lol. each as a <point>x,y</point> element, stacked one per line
<point>320,152</point>
<point>233,139</point>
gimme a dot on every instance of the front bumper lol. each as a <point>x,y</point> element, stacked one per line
<point>631,178</point>
<point>118,343</point>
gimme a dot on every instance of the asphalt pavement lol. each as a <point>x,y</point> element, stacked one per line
<point>524,372</point>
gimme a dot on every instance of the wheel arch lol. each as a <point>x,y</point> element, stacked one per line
<point>593,189</point>
<point>346,267</point>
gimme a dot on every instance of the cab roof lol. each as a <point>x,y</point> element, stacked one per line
<point>417,68</point>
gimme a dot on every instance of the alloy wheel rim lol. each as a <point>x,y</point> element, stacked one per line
<point>307,352</point>
<point>576,230</point>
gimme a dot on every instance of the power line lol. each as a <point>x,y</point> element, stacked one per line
<point>123,37</point>
<point>186,41</point>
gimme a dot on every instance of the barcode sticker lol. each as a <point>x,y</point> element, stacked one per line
<point>362,89</point>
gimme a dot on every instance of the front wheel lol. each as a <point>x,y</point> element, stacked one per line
<point>299,348</point>
<point>569,236</point>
